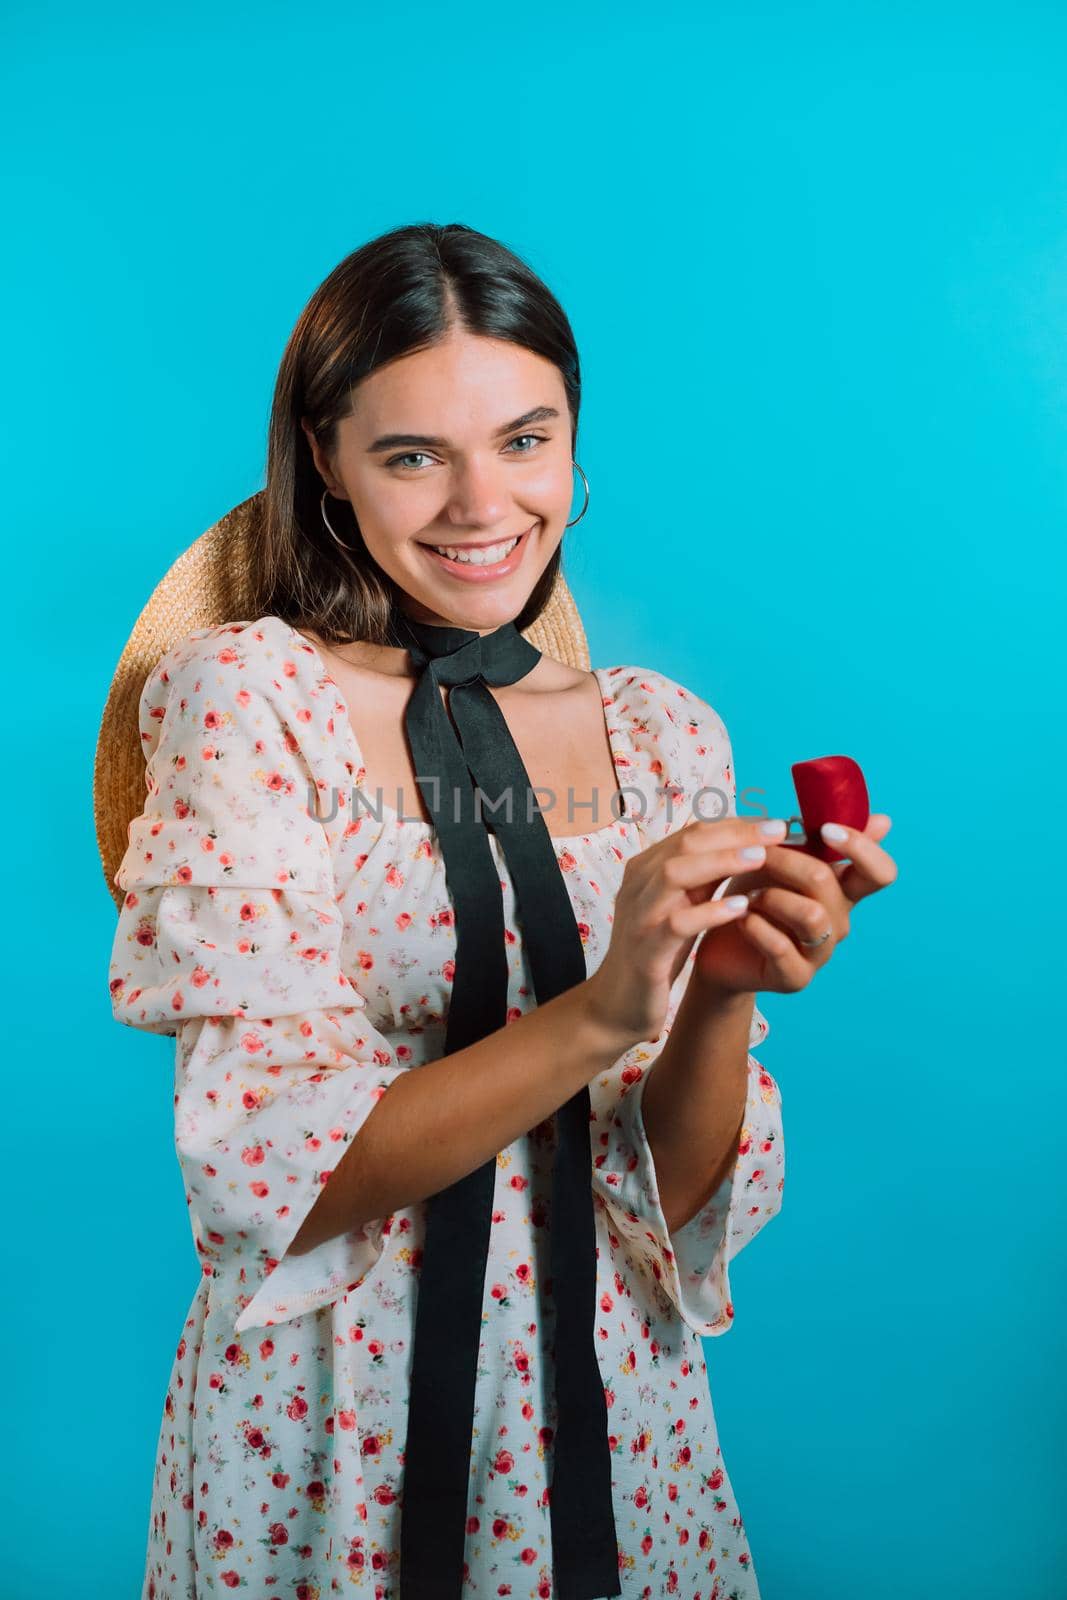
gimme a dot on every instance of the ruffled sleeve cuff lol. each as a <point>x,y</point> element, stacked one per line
<point>690,1265</point>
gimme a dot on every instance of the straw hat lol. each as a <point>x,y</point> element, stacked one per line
<point>207,586</point>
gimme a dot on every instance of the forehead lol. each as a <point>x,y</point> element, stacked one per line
<point>466,383</point>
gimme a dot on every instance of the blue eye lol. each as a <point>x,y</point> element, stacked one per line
<point>413,455</point>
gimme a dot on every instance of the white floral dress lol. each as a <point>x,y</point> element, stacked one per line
<point>302,965</point>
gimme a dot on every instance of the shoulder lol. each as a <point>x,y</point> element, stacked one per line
<point>233,739</point>
<point>263,654</point>
<point>674,744</point>
<point>649,698</point>
<point>248,677</point>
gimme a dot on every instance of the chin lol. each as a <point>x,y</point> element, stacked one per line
<point>484,618</point>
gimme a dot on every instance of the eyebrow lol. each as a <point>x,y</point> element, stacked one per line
<point>389,441</point>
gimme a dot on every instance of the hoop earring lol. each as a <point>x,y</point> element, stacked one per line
<point>322,506</point>
<point>585,508</point>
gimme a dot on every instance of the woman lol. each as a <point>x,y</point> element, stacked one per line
<point>405,1379</point>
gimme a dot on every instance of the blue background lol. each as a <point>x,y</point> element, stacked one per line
<point>816,262</point>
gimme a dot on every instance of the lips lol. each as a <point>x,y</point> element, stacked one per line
<point>471,544</point>
<point>467,572</point>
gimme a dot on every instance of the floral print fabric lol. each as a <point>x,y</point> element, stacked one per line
<point>302,960</point>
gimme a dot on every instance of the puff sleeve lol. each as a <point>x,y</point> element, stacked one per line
<point>229,940</point>
<point>690,1265</point>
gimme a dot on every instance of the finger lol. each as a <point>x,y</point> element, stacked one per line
<point>700,838</point>
<point>723,830</point>
<point>687,920</point>
<point>806,920</point>
<point>805,874</point>
<point>789,971</point>
<point>704,869</point>
<point>870,868</point>
<point>746,882</point>
<point>878,825</point>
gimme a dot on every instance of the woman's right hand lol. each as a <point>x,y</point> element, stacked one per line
<point>663,906</point>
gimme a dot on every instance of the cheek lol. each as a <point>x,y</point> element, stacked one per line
<point>550,480</point>
<point>390,510</point>
<point>549,542</point>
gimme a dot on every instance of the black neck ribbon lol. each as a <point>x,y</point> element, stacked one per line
<point>449,762</point>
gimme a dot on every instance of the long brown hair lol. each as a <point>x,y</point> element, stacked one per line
<point>400,292</point>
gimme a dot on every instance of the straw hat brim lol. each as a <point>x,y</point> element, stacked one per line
<point>206,587</point>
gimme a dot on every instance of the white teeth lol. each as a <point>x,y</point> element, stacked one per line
<point>477,558</point>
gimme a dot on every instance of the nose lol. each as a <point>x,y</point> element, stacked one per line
<point>478,494</point>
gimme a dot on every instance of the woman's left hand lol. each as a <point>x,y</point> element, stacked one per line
<point>799,898</point>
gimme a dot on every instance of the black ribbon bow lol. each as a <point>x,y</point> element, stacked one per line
<point>448,1319</point>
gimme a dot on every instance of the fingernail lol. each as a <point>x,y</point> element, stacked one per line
<point>773,830</point>
<point>752,852</point>
<point>737,902</point>
<point>833,833</point>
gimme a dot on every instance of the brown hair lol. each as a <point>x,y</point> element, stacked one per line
<point>400,292</point>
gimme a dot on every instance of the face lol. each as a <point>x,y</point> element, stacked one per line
<point>431,456</point>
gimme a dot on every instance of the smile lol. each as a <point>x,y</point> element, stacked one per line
<point>473,565</point>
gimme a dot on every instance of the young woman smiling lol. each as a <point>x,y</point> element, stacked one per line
<point>465,1104</point>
